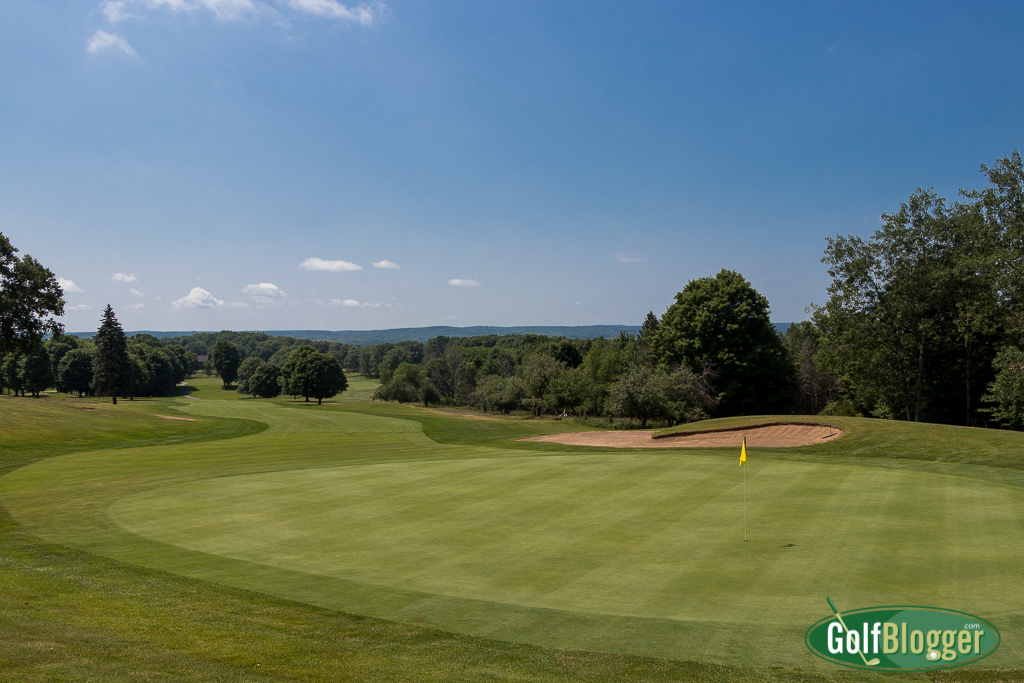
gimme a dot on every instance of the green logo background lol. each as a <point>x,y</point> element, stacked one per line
<point>922,619</point>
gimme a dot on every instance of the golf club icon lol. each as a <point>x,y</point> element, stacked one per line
<point>868,662</point>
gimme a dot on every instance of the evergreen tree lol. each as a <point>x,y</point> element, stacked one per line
<point>112,373</point>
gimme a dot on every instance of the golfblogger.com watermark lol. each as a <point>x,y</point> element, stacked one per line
<point>902,638</point>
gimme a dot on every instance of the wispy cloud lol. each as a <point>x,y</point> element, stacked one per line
<point>386,264</point>
<point>137,292</point>
<point>231,10</point>
<point>124,277</point>
<point>115,10</point>
<point>68,286</point>
<point>458,282</point>
<point>119,10</point>
<point>200,298</point>
<point>339,266</point>
<point>138,307</point>
<point>265,294</point>
<point>362,14</point>
<point>102,41</point>
<point>627,258</point>
<point>78,307</point>
<point>352,303</point>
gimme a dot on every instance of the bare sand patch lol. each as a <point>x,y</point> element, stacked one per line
<point>763,436</point>
<point>183,419</point>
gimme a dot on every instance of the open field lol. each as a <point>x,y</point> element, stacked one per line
<point>168,547</point>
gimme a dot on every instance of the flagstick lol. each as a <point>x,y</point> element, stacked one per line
<point>744,502</point>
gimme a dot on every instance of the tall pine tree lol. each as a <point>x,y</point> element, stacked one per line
<point>111,366</point>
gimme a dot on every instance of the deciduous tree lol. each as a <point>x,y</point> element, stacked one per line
<point>226,359</point>
<point>721,324</point>
<point>30,300</point>
<point>318,375</point>
<point>74,374</point>
<point>265,381</point>
<point>36,371</point>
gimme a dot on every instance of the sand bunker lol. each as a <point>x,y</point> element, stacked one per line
<point>763,436</point>
<point>183,419</point>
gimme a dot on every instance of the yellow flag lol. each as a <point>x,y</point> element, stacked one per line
<point>743,452</point>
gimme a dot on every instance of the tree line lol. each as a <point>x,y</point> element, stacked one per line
<point>922,322</point>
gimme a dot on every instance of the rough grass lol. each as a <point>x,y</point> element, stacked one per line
<point>89,617</point>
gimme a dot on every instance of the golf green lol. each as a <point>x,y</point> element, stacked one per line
<point>638,552</point>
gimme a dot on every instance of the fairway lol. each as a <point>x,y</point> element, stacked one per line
<point>638,552</point>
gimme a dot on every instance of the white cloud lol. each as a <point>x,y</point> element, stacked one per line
<point>68,286</point>
<point>78,307</point>
<point>124,277</point>
<point>457,282</point>
<point>626,258</point>
<point>229,10</point>
<point>117,10</point>
<point>386,264</point>
<point>352,303</point>
<point>114,11</point>
<point>222,9</point>
<point>363,14</point>
<point>137,292</point>
<point>264,289</point>
<point>265,294</point>
<point>138,307</point>
<point>200,298</point>
<point>101,40</point>
<point>313,263</point>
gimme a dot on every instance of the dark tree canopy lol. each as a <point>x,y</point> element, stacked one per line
<point>721,325</point>
<point>918,312</point>
<point>74,374</point>
<point>10,372</point>
<point>317,375</point>
<point>226,359</point>
<point>245,371</point>
<point>30,298</point>
<point>290,371</point>
<point>36,371</point>
<point>112,368</point>
<point>265,381</point>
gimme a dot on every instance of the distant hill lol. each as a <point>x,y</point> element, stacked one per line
<point>420,334</point>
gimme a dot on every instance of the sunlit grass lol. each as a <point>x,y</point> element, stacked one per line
<point>450,522</point>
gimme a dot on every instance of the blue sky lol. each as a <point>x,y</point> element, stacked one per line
<point>306,164</point>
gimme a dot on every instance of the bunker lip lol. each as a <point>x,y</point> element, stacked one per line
<point>764,435</point>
